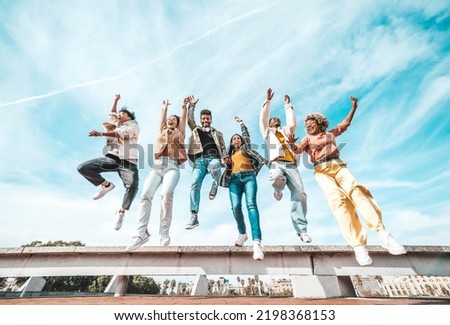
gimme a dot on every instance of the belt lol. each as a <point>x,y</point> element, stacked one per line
<point>325,159</point>
<point>246,173</point>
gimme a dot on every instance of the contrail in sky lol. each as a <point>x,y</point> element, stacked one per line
<point>143,64</point>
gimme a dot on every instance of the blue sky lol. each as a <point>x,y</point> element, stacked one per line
<point>62,63</point>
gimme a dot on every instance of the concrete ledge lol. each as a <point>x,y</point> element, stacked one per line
<point>329,249</point>
<point>315,271</point>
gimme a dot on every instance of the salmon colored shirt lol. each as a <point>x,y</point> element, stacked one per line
<point>323,144</point>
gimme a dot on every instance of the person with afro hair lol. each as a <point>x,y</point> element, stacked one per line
<point>344,194</point>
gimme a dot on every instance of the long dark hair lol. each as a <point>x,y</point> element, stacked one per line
<point>177,117</point>
<point>230,147</point>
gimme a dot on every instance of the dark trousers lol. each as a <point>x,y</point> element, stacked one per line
<point>127,171</point>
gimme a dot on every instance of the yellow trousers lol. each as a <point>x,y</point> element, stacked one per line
<point>344,197</point>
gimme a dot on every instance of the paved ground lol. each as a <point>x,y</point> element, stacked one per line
<point>200,300</point>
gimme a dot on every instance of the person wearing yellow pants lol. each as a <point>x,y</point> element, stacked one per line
<point>341,189</point>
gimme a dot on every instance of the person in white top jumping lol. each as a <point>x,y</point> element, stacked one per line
<point>122,157</point>
<point>283,162</point>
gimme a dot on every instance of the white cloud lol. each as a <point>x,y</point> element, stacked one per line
<point>64,62</point>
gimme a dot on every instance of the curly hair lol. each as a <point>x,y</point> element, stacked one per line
<point>320,119</point>
<point>130,114</point>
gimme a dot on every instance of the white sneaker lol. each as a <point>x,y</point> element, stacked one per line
<point>119,219</point>
<point>388,242</point>
<point>278,195</point>
<point>137,242</point>
<point>362,255</point>
<point>103,190</point>
<point>242,238</point>
<point>305,238</point>
<point>165,240</point>
<point>258,253</point>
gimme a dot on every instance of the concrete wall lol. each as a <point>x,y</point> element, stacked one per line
<point>315,271</point>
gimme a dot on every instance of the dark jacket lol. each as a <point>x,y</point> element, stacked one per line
<point>258,161</point>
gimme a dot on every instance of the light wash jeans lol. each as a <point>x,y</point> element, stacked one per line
<point>240,183</point>
<point>164,171</point>
<point>203,166</point>
<point>284,173</point>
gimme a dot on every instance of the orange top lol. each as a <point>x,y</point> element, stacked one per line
<point>241,162</point>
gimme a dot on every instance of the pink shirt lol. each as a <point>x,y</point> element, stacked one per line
<point>323,144</point>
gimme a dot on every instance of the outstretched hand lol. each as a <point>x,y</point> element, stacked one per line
<point>269,94</point>
<point>238,119</point>
<point>227,162</point>
<point>94,133</point>
<point>190,100</point>
<point>117,97</point>
<point>292,139</point>
<point>354,101</point>
<point>166,103</point>
<point>287,99</point>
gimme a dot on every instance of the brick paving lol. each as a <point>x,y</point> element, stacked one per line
<point>208,300</point>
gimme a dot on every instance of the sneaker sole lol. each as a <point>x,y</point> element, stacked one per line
<point>99,197</point>
<point>188,227</point>
<point>259,258</point>
<point>130,249</point>
<point>394,252</point>
<point>119,225</point>
<point>368,262</point>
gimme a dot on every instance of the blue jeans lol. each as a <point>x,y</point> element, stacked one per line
<point>285,173</point>
<point>203,166</point>
<point>240,183</point>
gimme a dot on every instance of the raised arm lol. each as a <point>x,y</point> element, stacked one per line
<point>350,115</point>
<point>291,120</point>
<point>264,114</point>
<point>114,104</point>
<point>163,118</point>
<point>245,134</point>
<point>183,116</point>
<point>191,119</point>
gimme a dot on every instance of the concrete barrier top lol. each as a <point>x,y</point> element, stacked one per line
<point>311,249</point>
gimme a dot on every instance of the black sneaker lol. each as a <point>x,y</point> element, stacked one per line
<point>193,222</point>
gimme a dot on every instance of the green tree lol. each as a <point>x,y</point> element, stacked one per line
<point>2,283</point>
<point>165,286</point>
<point>173,284</point>
<point>99,283</point>
<point>136,284</point>
<point>142,285</point>
<point>210,287</point>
